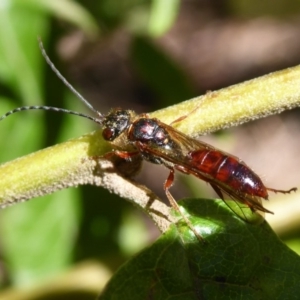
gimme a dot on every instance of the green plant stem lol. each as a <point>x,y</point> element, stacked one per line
<point>237,104</point>
<point>70,164</point>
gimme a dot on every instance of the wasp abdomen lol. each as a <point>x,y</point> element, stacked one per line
<point>227,169</point>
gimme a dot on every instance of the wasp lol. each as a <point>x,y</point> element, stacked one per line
<point>162,144</point>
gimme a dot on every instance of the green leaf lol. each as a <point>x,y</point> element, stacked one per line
<point>38,238</point>
<point>20,60</point>
<point>237,261</point>
<point>68,10</point>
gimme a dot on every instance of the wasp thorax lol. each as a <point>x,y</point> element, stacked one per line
<point>148,130</point>
<point>115,123</point>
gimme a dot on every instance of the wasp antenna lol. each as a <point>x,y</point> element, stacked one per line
<point>64,80</point>
<point>56,109</point>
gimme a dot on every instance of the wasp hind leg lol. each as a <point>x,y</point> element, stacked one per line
<point>294,189</point>
<point>167,185</point>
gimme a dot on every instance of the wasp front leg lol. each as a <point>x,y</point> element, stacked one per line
<point>121,154</point>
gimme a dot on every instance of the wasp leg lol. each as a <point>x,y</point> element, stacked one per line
<point>168,183</point>
<point>217,190</point>
<point>117,153</point>
<point>122,154</point>
<point>282,191</point>
<point>185,116</point>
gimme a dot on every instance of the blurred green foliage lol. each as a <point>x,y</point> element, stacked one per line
<point>37,238</point>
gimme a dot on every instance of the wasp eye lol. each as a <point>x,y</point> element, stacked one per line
<point>109,134</point>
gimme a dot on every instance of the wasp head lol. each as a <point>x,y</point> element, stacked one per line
<point>115,123</point>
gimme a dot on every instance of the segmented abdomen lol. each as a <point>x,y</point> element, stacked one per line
<point>228,170</point>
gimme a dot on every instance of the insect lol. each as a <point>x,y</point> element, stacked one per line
<point>162,144</point>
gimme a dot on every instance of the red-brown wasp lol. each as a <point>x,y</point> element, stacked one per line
<point>160,143</point>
